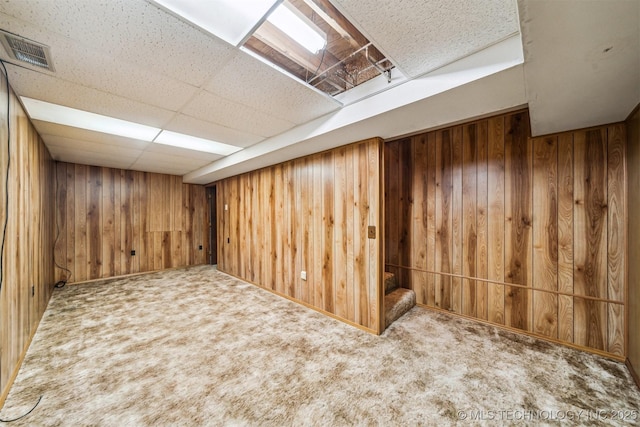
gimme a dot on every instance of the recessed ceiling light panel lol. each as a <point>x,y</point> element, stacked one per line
<point>53,113</point>
<point>230,20</point>
<point>294,24</point>
<point>193,143</point>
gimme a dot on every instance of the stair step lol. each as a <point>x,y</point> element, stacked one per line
<point>397,303</point>
<point>390,282</point>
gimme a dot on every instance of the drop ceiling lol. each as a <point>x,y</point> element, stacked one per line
<point>455,59</point>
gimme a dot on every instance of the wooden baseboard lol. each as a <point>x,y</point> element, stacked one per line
<point>14,374</point>
<point>527,333</point>
<point>632,371</point>
<point>126,276</point>
<point>307,305</point>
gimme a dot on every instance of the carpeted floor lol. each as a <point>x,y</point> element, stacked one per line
<point>197,347</point>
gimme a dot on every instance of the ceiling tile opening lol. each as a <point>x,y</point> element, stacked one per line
<point>346,59</point>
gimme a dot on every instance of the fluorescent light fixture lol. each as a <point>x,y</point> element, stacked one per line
<point>230,20</point>
<point>47,112</point>
<point>298,27</point>
<point>193,143</point>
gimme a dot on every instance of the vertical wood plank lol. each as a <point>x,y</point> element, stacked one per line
<point>616,211</point>
<point>256,228</point>
<point>108,226</point>
<point>243,216</point>
<point>432,237</point>
<point>615,329</point>
<point>419,217</point>
<point>616,231</point>
<point>518,221</point>
<point>496,223</point>
<point>444,192</point>
<point>456,220</point>
<point>405,173</point>
<point>590,238</point>
<point>278,225</point>
<point>81,248</point>
<point>291,252</point>
<point>469,218</point>
<point>392,205</point>
<point>328,237</point>
<point>71,220</point>
<point>375,260</point>
<point>482,260</point>
<point>61,221</point>
<point>318,233</point>
<point>545,235</point>
<point>117,222</point>
<point>565,236</point>
<point>352,303</point>
<point>361,221</point>
<point>94,219</point>
<point>270,230</point>
<point>141,238</point>
<point>303,215</point>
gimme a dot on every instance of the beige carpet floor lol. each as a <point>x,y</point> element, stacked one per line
<point>197,347</point>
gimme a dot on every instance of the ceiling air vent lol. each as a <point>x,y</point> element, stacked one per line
<point>26,50</point>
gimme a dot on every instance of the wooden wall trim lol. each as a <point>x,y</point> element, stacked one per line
<point>513,285</point>
<point>16,369</point>
<point>527,333</point>
<point>632,371</point>
<point>632,310</point>
<point>307,305</point>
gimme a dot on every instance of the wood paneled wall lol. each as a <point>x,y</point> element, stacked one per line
<point>311,214</point>
<point>633,129</point>
<point>27,267</point>
<point>529,233</point>
<point>103,214</point>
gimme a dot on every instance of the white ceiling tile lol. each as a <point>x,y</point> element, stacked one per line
<point>72,152</point>
<point>131,30</point>
<point>422,35</point>
<point>251,82</point>
<point>165,163</point>
<point>181,154</point>
<point>48,88</point>
<point>92,147</point>
<point>212,108</point>
<point>75,62</point>
<point>215,132</point>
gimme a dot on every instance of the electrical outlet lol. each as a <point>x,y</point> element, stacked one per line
<point>372,232</point>
<point>303,275</point>
<point>133,252</point>
<point>200,247</point>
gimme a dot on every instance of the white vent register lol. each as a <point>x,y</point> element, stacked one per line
<point>25,50</point>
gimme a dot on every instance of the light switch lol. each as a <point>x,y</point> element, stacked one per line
<point>303,275</point>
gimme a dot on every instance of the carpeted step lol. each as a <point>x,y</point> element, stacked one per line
<point>390,282</point>
<point>397,303</point>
